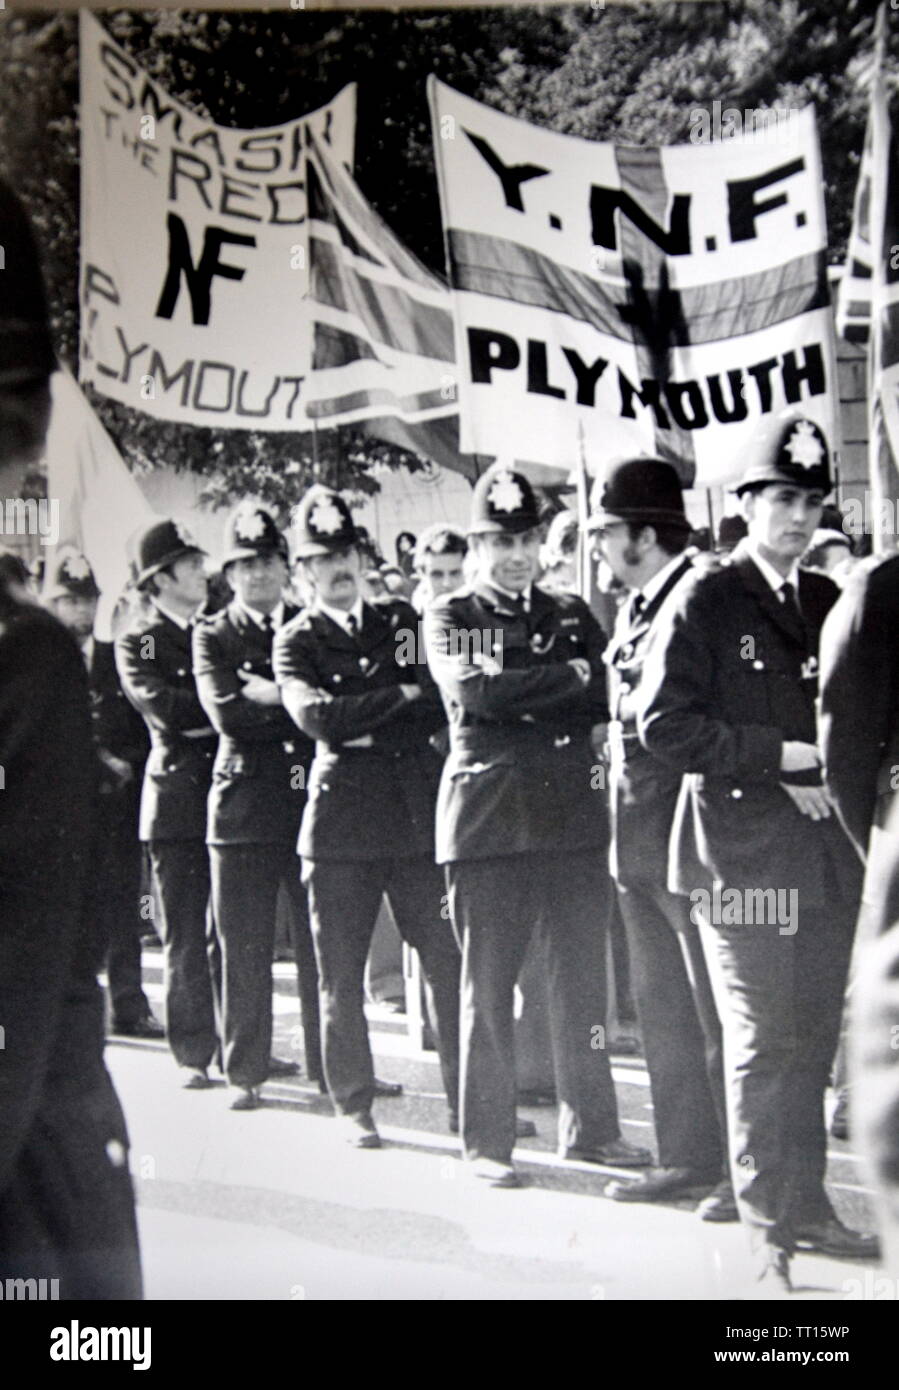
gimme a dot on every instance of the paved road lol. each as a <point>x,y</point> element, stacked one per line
<point>272,1205</point>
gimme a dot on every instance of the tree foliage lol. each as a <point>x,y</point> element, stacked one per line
<point>632,73</point>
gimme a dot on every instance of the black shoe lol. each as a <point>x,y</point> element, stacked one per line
<point>279,1066</point>
<point>617,1153</point>
<point>658,1183</point>
<point>839,1124</point>
<point>388,1089</point>
<point>831,1237</point>
<point>148,1027</point>
<point>720,1205</point>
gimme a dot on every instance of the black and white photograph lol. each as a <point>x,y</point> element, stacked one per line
<point>449,663</point>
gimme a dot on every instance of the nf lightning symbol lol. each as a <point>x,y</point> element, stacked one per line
<point>183,534</point>
<point>505,494</point>
<point>326,518</point>
<point>804,446</point>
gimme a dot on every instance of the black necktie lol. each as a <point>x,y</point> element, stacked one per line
<point>638,603</point>
<point>790,601</point>
<point>268,624</point>
<point>352,625</point>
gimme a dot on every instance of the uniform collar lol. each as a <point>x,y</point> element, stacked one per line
<point>771,576</point>
<point>339,615</point>
<point>660,579</point>
<point>176,618</point>
<point>276,615</point>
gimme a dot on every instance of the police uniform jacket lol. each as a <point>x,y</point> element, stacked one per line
<point>260,770</point>
<point>520,775</point>
<point>643,790</point>
<point>154,664</point>
<point>373,783</point>
<point>731,674</point>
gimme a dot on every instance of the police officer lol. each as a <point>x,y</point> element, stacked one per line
<point>728,697</point>
<point>257,798</point>
<point>350,678</point>
<point>522,830</point>
<point>120,739</point>
<point>154,663</point>
<point>641,530</point>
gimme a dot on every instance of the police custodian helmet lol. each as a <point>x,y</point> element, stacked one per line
<point>503,500</point>
<point>159,545</point>
<point>796,453</point>
<point>70,575</point>
<point>251,530</point>
<point>323,523</point>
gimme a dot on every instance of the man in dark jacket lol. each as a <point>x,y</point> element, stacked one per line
<point>859,722</point>
<point>522,830</point>
<point>154,664</point>
<point>641,531</point>
<point>350,678</point>
<point>256,801</point>
<point>728,697</point>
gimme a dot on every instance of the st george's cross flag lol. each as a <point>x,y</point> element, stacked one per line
<point>669,300</point>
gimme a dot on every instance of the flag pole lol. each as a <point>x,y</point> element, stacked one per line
<point>882,478</point>
<point>583,553</point>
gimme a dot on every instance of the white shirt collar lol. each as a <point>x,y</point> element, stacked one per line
<point>276,615</point>
<point>339,616</point>
<point>660,578</point>
<point>513,598</point>
<point>769,573</point>
<point>176,618</point>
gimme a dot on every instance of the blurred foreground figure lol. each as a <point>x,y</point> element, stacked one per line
<point>66,1201</point>
<point>860,746</point>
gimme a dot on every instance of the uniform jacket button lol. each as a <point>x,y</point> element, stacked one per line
<point>288,747</point>
<point>737,793</point>
<point>181,671</point>
<point>758,666</point>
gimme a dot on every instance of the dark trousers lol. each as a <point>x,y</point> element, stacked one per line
<point>116,889</point>
<point>780,999</point>
<point>496,906</point>
<point>190,948</point>
<point>245,881</point>
<point>344,898</point>
<point>680,1027</point>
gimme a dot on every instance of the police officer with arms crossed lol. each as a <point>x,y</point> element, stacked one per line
<point>120,739</point>
<point>255,804</point>
<point>349,679</point>
<point>641,530</point>
<point>522,832</point>
<point>728,697</point>
<point>154,663</point>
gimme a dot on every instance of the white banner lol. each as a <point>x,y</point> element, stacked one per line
<point>194,250</point>
<point>668,300</point>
